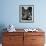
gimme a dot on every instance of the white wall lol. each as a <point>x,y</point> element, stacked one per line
<point>10,13</point>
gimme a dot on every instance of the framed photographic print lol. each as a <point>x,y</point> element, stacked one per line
<point>26,13</point>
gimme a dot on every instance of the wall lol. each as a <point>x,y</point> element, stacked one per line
<point>9,13</point>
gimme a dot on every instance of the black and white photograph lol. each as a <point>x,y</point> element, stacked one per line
<point>26,13</point>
